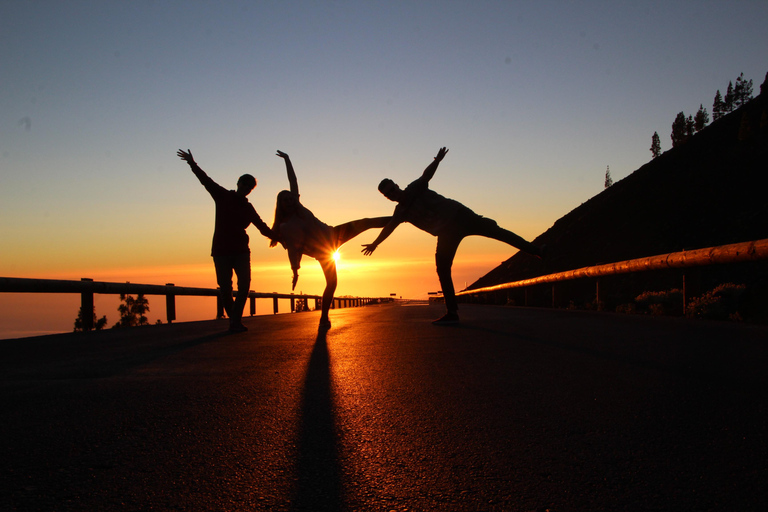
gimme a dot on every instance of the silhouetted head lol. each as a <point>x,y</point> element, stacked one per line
<point>246,184</point>
<point>286,203</point>
<point>286,206</point>
<point>390,189</point>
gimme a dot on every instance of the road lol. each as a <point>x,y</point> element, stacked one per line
<point>514,409</point>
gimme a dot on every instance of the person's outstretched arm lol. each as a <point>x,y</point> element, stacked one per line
<point>385,232</point>
<point>291,174</point>
<point>431,168</point>
<point>261,226</point>
<point>211,186</point>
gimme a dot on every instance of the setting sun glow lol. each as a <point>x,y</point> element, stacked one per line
<point>336,256</point>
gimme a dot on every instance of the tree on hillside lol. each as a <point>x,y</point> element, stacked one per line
<point>132,311</point>
<point>702,119</point>
<point>690,127</point>
<point>728,102</point>
<point>718,107</point>
<point>679,130</point>
<point>742,91</point>
<point>608,179</point>
<point>97,324</point>
<point>764,85</point>
<point>655,145</point>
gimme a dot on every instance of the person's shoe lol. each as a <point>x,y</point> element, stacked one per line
<point>325,325</point>
<point>447,319</point>
<point>237,327</point>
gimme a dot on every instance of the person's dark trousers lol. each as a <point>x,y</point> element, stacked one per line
<point>241,265</point>
<point>444,254</point>
<point>448,242</point>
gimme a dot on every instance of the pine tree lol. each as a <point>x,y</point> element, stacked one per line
<point>608,179</point>
<point>655,145</point>
<point>678,130</point>
<point>690,127</point>
<point>738,92</point>
<point>729,98</point>
<point>702,119</point>
<point>764,85</point>
<point>746,91</point>
<point>718,107</point>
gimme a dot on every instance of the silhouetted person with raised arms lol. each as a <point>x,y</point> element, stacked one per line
<point>448,220</point>
<point>230,250</point>
<point>300,232</point>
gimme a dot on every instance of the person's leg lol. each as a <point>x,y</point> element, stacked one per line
<point>224,267</point>
<point>444,254</point>
<point>349,230</point>
<point>486,227</point>
<point>329,270</point>
<point>242,266</point>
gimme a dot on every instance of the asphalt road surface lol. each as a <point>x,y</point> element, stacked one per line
<point>514,409</point>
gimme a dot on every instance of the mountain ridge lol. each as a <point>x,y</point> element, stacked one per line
<point>705,192</point>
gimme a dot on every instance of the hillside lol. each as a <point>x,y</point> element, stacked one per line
<point>709,191</point>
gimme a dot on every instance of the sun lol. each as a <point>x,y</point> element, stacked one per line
<point>336,256</point>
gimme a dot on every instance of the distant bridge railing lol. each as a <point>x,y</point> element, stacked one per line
<point>732,253</point>
<point>87,288</point>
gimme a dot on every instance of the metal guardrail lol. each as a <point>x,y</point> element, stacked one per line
<point>732,253</point>
<point>87,287</point>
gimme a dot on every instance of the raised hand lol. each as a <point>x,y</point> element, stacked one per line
<point>368,249</point>
<point>186,156</point>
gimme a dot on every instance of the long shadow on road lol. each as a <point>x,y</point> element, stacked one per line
<point>318,473</point>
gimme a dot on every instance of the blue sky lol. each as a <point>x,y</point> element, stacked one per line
<point>533,99</point>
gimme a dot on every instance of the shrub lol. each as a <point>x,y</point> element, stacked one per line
<point>721,303</point>
<point>628,309</point>
<point>668,302</point>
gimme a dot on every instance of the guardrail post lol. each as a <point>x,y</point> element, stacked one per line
<point>317,304</point>
<point>252,303</point>
<point>293,304</point>
<point>86,306</point>
<point>597,294</point>
<point>274,304</point>
<point>170,304</point>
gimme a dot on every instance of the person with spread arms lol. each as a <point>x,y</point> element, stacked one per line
<point>230,250</point>
<point>300,232</point>
<point>448,220</point>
